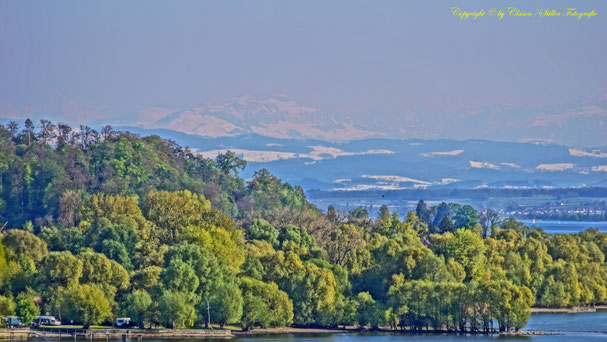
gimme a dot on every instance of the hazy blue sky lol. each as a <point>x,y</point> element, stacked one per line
<point>107,58</point>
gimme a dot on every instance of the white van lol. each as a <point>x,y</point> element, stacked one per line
<point>45,320</point>
<point>123,322</point>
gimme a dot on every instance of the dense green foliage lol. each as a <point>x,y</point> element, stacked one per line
<point>100,225</point>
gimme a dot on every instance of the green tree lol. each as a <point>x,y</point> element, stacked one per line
<point>422,211</point>
<point>346,248</point>
<point>229,163</point>
<point>3,263</point>
<point>277,305</point>
<point>313,292</point>
<point>269,193</point>
<point>261,229</point>
<point>467,249</point>
<point>60,269</point>
<point>146,278</point>
<point>98,269</point>
<point>189,268</point>
<point>177,309</point>
<point>256,313</point>
<point>138,305</point>
<point>384,213</point>
<point>101,210</point>
<point>446,225</point>
<point>226,304</point>
<point>26,309</point>
<point>253,268</point>
<point>488,219</point>
<point>442,210</point>
<point>70,205</point>
<point>225,245</point>
<point>465,217</point>
<point>369,313</point>
<point>359,216</point>
<point>23,243</point>
<point>118,242</point>
<point>7,306</point>
<point>298,237</point>
<point>86,304</point>
<point>433,268</point>
<point>175,214</point>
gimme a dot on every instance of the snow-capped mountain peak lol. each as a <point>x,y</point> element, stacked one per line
<point>273,117</point>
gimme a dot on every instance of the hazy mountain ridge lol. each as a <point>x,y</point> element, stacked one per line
<point>278,118</point>
<point>285,118</point>
<point>380,163</point>
<point>393,164</point>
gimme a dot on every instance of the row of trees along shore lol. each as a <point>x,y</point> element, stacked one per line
<point>97,225</point>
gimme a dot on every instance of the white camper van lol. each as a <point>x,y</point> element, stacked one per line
<point>123,322</point>
<point>45,320</point>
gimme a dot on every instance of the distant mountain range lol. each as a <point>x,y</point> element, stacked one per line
<point>379,163</point>
<point>277,118</point>
<point>581,123</point>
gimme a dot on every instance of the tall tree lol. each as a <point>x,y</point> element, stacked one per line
<point>229,163</point>
<point>29,131</point>
<point>48,131</point>
<point>488,219</point>
<point>446,225</point>
<point>441,211</point>
<point>422,212</point>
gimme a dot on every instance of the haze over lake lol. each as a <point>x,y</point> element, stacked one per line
<point>565,227</point>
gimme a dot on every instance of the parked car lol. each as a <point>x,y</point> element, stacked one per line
<point>45,321</point>
<point>123,322</point>
<point>12,322</point>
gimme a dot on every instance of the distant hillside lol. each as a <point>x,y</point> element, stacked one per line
<point>389,164</point>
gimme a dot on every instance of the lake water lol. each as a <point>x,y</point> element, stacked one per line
<point>566,227</point>
<point>566,327</point>
<point>422,338</point>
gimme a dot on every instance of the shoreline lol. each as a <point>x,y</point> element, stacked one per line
<point>575,309</point>
<point>288,330</point>
<point>92,334</point>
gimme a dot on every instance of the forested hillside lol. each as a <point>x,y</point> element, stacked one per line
<point>97,225</point>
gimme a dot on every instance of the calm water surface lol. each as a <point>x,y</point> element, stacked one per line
<point>567,327</point>
<point>566,227</point>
